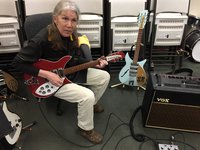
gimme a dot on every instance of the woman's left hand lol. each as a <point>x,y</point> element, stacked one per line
<point>102,63</point>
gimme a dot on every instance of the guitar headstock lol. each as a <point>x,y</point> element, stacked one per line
<point>142,18</point>
<point>113,57</point>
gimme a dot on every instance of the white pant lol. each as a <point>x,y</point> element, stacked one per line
<point>97,82</point>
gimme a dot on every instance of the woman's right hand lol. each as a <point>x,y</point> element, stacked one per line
<point>51,77</point>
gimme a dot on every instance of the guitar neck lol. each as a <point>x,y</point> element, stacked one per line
<point>137,49</point>
<point>80,67</point>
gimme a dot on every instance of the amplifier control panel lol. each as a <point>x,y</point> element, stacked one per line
<point>176,81</point>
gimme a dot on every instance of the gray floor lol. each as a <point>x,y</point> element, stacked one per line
<point>54,132</point>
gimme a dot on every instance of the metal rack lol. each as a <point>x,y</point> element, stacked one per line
<point>166,28</point>
<point>9,39</point>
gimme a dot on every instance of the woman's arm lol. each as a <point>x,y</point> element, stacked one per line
<point>85,47</point>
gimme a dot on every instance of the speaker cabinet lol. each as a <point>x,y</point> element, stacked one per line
<point>172,102</point>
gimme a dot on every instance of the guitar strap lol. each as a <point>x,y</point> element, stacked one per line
<point>182,71</point>
<point>10,81</point>
<point>131,51</point>
<point>3,87</point>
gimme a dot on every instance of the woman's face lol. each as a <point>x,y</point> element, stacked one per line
<point>66,22</point>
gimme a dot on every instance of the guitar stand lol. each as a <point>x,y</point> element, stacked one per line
<point>118,84</point>
<point>123,85</point>
<point>28,127</point>
<point>141,87</point>
<point>15,96</point>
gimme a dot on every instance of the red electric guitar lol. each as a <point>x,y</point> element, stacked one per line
<point>42,88</point>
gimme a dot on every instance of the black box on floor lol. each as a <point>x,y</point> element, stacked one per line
<point>172,102</point>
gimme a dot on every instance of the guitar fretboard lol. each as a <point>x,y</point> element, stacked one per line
<point>80,67</point>
<point>139,39</point>
<point>137,49</point>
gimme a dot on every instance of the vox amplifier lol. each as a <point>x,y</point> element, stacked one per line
<point>172,102</point>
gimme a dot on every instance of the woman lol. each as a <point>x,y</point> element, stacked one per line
<point>52,43</point>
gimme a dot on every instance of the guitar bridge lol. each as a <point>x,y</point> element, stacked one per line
<point>59,72</point>
<point>131,83</point>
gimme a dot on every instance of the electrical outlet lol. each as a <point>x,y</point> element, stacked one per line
<point>167,147</point>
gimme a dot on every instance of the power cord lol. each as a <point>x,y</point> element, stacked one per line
<point>112,134</point>
<point>137,137</point>
<point>123,138</point>
<point>59,134</point>
<point>172,137</point>
<point>85,146</point>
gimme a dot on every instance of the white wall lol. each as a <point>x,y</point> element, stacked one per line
<point>126,7</point>
<point>43,6</point>
<point>171,5</point>
<point>7,7</point>
<point>195,8</point>
<point>95,6</point>
<point>39,6</point>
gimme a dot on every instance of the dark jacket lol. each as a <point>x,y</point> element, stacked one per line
<point>40,48</point>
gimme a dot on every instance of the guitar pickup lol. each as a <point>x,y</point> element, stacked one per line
<point>133,67</point>
<point>59,72</point>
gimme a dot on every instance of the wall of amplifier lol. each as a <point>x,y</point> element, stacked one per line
<point>90,25</point>
<point>169,29</point>
<point>124,23</point>
<point>125,31</point>
<point>9,39</point>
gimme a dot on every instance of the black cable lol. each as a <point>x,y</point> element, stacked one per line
<point>112,134</point>
<point>85,146</point>
<point>173,137</point>
<point>60,135</point>
<point>131,51</point>
<point>121,140</point>
<point>151,140</point>
<point>137,137</point>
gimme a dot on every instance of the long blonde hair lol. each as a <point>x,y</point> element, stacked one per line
<point>54,34</point>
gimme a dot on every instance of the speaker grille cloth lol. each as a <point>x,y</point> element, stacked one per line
<point>174,116</point>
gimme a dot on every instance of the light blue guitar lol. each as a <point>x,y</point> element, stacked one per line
<point>132,73</point>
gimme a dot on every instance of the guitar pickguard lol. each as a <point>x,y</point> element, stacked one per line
<point>16,124</point>
<point>46,89</point>
<point>132,76</point>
